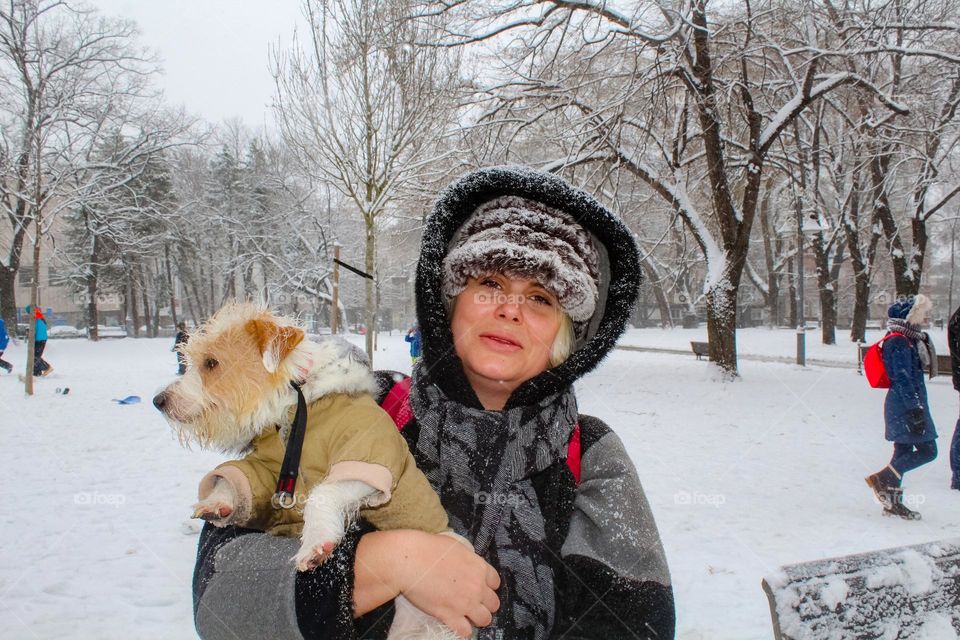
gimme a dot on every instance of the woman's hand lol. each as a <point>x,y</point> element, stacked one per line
<point>437,573</point>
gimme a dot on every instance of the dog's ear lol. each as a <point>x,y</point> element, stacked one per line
<point>274,341</point>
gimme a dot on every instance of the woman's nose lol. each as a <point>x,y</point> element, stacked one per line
<point>510,311</point>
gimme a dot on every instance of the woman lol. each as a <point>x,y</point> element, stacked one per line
<point>40,366</point>
<point>523,285</point>
<point>906,410</point>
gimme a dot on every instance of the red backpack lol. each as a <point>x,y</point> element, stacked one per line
<point>873,366</point>
<point>397,404</point>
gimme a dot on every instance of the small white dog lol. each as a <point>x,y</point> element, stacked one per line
<point>236,396</point>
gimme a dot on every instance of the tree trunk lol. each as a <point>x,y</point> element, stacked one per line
<point>771,249</point>
<point>860,264</point>
<point>170,287</point>
<point>827,292</point>
<point>654,280</point>
<point>884,215</point>
<point>34,304</point>
<point>861,302</point>
<point>722,329</point>
<point>917,256</point>
<point>8,274</point>
<point>148,314</point>
<point>792,292</point>
<point>722,320</point>
<point>93,313</point>
<point>8,300</point>
<point>133,306</point>
<point>368,263</point>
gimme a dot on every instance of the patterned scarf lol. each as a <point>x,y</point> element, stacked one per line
<point>928,355</point>
<point>481,462</point>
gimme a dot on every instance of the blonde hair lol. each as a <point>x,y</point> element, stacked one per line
<point>563,343</point>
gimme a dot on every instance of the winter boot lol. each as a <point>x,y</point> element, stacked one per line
<point>7,367</point>
<point>883,483</point>
<point>898,509</point>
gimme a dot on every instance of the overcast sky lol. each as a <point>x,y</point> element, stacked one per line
<point>214,52</point>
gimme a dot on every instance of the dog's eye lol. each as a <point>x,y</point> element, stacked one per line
<point>210,363</point>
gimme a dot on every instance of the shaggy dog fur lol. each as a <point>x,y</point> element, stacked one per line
<point>237,385</point>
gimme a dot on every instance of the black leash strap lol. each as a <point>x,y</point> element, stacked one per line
<point>284,497</point>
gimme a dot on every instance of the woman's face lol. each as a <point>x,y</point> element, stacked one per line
<point>503,330</point>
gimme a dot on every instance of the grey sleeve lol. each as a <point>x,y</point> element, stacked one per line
<point>615,582</point>
<point>244,587</point>
<point>612,522</point>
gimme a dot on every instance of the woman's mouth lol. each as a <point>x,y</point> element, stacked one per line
<point>500,342</point>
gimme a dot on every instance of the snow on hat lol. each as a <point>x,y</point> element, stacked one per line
<point>522,238</point>
<point>913,309</point>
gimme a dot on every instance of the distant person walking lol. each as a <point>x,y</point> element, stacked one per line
<point>953,339</point>
<point>40,366</point>
<point>413,337</point>
<point>909,424</point>
<point>4,341</point>
<point>181,338</point>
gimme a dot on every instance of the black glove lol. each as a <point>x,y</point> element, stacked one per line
<point>916,421</point>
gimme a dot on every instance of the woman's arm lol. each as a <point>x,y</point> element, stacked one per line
<point>438,574</point>
<point>245,586</point>
<point>614,581</point>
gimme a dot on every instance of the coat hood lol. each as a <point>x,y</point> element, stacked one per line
<point>619,277</point>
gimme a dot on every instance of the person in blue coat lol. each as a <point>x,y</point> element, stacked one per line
<point>413,337</point>
<point>40,366</point>
<point>4,341</point>
<point>909,425</point>
<point>953,339</point>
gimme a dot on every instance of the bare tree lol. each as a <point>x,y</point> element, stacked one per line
<point>60,70</point>
<point>689,101</point>
<point>364,108</point>
<point>892,174</point>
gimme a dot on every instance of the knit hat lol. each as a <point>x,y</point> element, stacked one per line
<point>913,309</point>
<point>523,238</point>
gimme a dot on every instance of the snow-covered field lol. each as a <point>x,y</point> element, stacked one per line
<point>743,477</point>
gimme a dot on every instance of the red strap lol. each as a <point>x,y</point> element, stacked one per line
<point>573,453</point>
<point>397,405</point>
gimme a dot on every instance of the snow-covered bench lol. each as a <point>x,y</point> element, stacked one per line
<point>902,593</point>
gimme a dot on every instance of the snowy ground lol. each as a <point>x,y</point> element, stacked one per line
<point>743,477</point>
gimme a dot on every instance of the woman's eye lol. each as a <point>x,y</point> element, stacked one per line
<point>489,282</point>
<point>541,299</point>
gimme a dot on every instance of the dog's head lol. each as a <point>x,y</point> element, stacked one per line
<point>239,364</point>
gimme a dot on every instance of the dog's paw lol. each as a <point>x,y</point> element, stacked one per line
<point>312,556</point>
<point>216,512</point>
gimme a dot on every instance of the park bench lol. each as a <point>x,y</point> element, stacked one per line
<point>903,592</point>
<point>700,349</point>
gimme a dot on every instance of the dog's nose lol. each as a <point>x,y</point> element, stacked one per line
<point>160,400</point>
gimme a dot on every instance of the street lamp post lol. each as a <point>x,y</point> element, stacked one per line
<point>801,316</point>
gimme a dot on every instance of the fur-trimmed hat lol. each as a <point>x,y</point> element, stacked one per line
<point>522,238</point>
<point>913,309</point>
